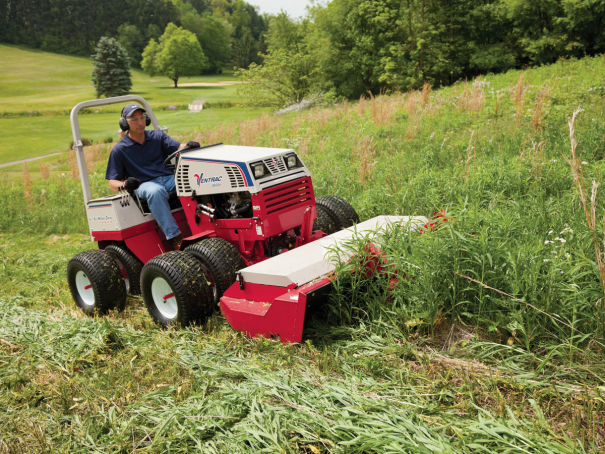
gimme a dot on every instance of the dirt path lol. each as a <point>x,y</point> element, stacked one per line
<point>21,161</point>
<point>222,83</point>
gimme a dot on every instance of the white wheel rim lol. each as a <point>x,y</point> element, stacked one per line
<point>85,289</point>
<point>163,298</point>
<point>124,275</point>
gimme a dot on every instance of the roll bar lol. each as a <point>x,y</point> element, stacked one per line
<point>75,129</point>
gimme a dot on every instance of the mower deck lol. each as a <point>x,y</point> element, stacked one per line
<point>272,296</point>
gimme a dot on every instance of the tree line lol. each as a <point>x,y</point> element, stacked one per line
<point>349,47</point>
<point>230,32</point>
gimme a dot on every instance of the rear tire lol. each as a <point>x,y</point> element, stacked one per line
<point>336,214</point>
<point>175,289</point>
<point>96,282</point>
<point>130,267</point>
<point>220,260</point>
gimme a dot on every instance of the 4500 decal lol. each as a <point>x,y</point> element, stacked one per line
<point>201,180</point>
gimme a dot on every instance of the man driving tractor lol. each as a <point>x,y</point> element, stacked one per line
<point>136,164</point>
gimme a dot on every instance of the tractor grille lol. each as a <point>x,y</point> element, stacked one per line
<point>235,177</point>
<point>182,178</point>
<point>275,165</point>
<point>287,195</point>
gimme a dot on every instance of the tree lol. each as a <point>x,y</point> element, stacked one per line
<point>133,42</point>
<point>111,73</point>
<point>178,54</point>
<point>284,78</point>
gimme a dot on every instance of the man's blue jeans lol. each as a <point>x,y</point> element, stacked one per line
<point>155,192</point>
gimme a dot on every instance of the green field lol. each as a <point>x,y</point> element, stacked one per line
<point>38,136</point>
<point>33,80</point>
<point>490,340</point>
<point>39,89</point>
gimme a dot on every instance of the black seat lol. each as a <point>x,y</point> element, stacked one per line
<point>173,201</point>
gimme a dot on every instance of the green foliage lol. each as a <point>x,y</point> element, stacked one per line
<point>289,71</point>
<point>431,362</point>
<point>356,46</point>
<point>284,78</point>
<point>178,54</point>
<point>132,41</point>
<point>111,73</point>
<point>212,34</point>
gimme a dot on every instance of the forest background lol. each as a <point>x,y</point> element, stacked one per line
<point>343,48</point>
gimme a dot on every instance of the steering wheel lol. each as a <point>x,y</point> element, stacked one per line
<point>167,164</point>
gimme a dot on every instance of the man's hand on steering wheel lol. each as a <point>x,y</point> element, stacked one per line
<point>188,146</point>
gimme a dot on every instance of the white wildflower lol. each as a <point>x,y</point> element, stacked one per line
<point>551,232</point>
<point>562,240</point>
<point>546,260</point>
<point>567,254</point>
<point>566,230</point>
<point>548,241</point>
<point>584,162</point>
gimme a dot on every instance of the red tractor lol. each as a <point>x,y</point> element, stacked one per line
<point>255,239</point>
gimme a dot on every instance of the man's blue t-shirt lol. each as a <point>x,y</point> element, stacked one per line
<point>143,161</point>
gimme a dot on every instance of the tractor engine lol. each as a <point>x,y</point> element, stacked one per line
<point>233,205</point>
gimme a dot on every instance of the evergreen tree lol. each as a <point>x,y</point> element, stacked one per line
<point>111,73</point>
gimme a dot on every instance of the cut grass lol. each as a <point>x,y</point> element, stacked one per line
<point>71,383</point>
<point>489,340</point>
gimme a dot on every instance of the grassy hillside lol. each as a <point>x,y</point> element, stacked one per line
<point>34,80</point>
<point>490,340</point>
<point>38,90</point>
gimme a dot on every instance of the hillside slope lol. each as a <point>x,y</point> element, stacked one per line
<point>485,333</point>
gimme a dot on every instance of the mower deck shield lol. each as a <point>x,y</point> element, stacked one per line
<point>275,293</point>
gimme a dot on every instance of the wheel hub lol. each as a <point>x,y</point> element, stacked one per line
<point>163,298</point>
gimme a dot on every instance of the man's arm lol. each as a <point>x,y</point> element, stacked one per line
<point>115,185</point>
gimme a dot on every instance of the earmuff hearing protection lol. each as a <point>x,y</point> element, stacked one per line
<point>124,123</point>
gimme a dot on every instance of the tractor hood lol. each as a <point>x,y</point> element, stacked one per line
<point>229,168</point>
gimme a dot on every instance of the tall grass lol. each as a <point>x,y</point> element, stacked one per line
<point>480,333</point>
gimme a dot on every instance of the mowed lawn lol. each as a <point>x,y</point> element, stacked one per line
<point>38,89</point>
<point>28,137</point>
<point>33,80</point>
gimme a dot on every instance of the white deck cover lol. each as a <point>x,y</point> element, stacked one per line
<point>308,262</point>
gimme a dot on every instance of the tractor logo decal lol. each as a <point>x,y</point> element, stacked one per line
<point>201,180</point>
<point>242,167</point>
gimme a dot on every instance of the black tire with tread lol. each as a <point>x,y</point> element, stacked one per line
<point>325,221</point>
<point>131,264</point>
<point>187,281</point>
<point>341,212</point>
<point>221,259</point>
<point>105,279</point>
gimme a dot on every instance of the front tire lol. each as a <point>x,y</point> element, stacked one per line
<point>175,289</point>
<point>130,267</point>
<point>95,282</point>
<point>220,260</point>
<point>333,214</point>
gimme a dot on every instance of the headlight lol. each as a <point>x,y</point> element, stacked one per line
<point>258,168</point>
<point>291,160</point>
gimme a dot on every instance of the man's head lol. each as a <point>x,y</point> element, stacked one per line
<point>134,118</point>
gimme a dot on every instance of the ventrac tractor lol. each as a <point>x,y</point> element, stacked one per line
<point>255,239</point>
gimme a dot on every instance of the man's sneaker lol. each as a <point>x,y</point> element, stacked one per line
<point>176,241</point>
